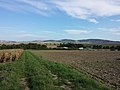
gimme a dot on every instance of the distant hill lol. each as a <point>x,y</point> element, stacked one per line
<point>67,40</point>
<point>98,41</point>
<point>61,41</point>
<point>50,41</point>
<point>4,41</point>
<point>87,41</point>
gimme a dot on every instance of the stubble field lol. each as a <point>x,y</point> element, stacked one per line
<point>101,65</point>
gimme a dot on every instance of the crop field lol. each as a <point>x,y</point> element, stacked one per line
<point>31,72</point>
<point>10,55</point>
<point>104,66</point>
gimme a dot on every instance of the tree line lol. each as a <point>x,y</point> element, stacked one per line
<point>112,48</point>
<point>24,46</point>
<point>70,46</point>
<point>77,46</point>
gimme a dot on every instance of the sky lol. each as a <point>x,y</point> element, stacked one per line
<point>27,20</point>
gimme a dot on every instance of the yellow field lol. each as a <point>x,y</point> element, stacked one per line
<point>10,55</point>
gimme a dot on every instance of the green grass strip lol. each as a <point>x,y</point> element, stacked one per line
<point>38,76</point>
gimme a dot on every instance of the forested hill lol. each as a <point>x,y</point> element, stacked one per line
<point>88,41</point>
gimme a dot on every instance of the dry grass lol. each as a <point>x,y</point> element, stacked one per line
<point>10,55</point>
<point>104,65</point>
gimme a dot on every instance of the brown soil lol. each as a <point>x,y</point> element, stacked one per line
<point>104,65</point>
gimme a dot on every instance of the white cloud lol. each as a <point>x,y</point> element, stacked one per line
<point>36,4</point>
<point>89,9</point>
<point>23,37</point>
<point>115,20</point>
<point>28,35</point>
<point>93,21</point>
<point>12,33</point>
<point>81,9</point>
<point>76,31</point>
<point>31,6</point>
<point>115,31</point>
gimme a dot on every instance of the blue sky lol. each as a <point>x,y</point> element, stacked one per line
<point>23,20</point>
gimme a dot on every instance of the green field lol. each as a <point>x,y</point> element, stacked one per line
<point>33,73</point>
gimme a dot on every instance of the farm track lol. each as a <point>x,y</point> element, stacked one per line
<point>33,73</point>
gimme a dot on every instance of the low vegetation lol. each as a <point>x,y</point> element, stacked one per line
<point>72,46</point>
<point>33,73</point>
<point>24,46</point>
<point>61,46</point>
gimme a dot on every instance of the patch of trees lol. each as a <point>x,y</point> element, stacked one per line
<point>62,46</point>
<point>97,47</point>
<point>71,45</point>
<point>77,46</point>
<point>112,48</point>
<point>24,46</point>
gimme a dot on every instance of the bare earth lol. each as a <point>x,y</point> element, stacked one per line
<point>103,65</point>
